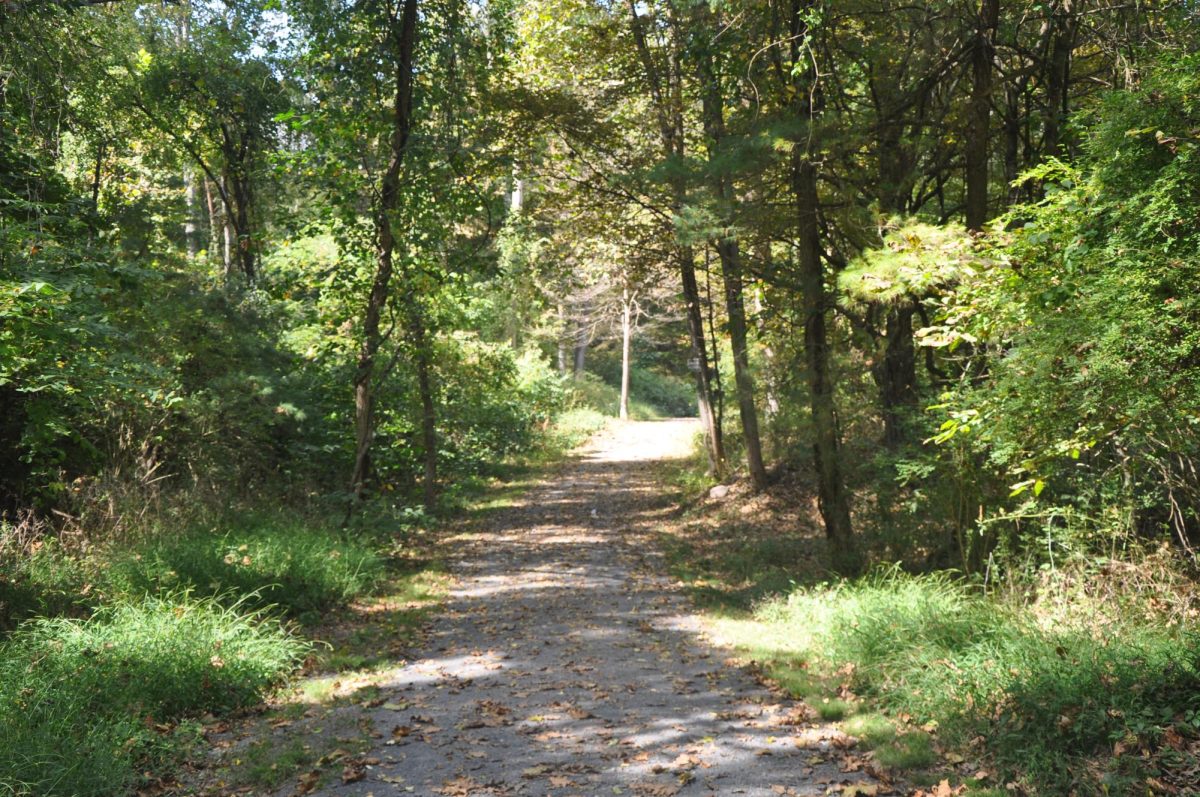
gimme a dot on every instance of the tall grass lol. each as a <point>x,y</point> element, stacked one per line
<point>1050,701</point>
<point>40,580</point>
<point>301,568</point>
<point>86,704</point>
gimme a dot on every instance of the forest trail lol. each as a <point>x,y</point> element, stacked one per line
<point>566,664</point>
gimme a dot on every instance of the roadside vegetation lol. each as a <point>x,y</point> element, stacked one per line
<point>138,646</point>
<point>1079,679</point>
<point>284,284</point>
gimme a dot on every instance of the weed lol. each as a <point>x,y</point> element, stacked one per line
<point>872,729</point>
<point>911,750</point>
<point>832,709</point>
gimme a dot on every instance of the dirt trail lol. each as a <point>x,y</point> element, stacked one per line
<point>565,663</point>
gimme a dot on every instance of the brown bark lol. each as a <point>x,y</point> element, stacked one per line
<point>403,35</point>
<point>896,371</point>
<point>418,335</point>
<point>213,219</point>
<point>562,339</point>
<point>581,345</point>
<point>1064,23</point>
<point>627,304</point>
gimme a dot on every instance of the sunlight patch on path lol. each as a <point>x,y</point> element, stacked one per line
<point>565,664</point>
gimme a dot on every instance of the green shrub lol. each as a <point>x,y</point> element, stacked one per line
<point>272,561</point>
<point>81,701</point>
<point>652,395</point>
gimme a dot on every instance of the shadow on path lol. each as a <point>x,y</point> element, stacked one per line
<point>566,664</point>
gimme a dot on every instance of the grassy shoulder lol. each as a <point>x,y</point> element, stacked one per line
<point>118,655</point>
<point>1055,687</point>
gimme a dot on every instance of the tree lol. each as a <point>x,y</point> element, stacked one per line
<point>804,89</point>
<point>664,81</point>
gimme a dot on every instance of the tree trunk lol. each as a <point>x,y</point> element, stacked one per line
<point>983,55</point>
<point>245,243</point>
<point>214,243</point>
<point>896,371</point>
<point>743,380</point>
<point>712,103</point>
<point>668,110</point>
<point>562,339</point>
<point>833,498</point>
<point>403,40</point>
<point>1064,22</point>
<point>228,237</point>
<point>579,359</point>
<point>1012,144</point>
<point>701,369</point>
<point>418,334</point>
<point>191,230</point>
<point>97,173</point>
<point>626,349</point>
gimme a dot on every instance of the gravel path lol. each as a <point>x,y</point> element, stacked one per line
<point>565,664</point>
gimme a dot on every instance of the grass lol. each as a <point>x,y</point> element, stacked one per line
<point>266,560</point>
<point>1051,702</point>
<point>589,391</point>
<point>86,705</point>
<point>1071,684</point>
<point>124,646</point>
<point>41,580</point>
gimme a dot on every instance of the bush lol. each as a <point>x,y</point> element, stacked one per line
<point>82,702</point>
<point>270,562</point>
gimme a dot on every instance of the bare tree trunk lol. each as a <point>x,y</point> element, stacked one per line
<point>97,173</point>
<point>1012,143</point>
<point>896,371</point>
<point>191,229</point>
<point>227,248</point>
<point>743,380</point>
<point>983,55</point>
<point>627,301</point>
<point>834,500</point>
<point>701,369</point>
<point>579,359</point>
<point>245,242</point>
<point>403,40</point>
<point>423,359</point>
<point>213,226</point>
<point>1065,22</point>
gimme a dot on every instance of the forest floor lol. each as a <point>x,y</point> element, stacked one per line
<point>563,662</point>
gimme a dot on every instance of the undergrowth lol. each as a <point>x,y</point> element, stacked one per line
<point>295,565</point>
<point>87,705</point>
<point>1052,703</point>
